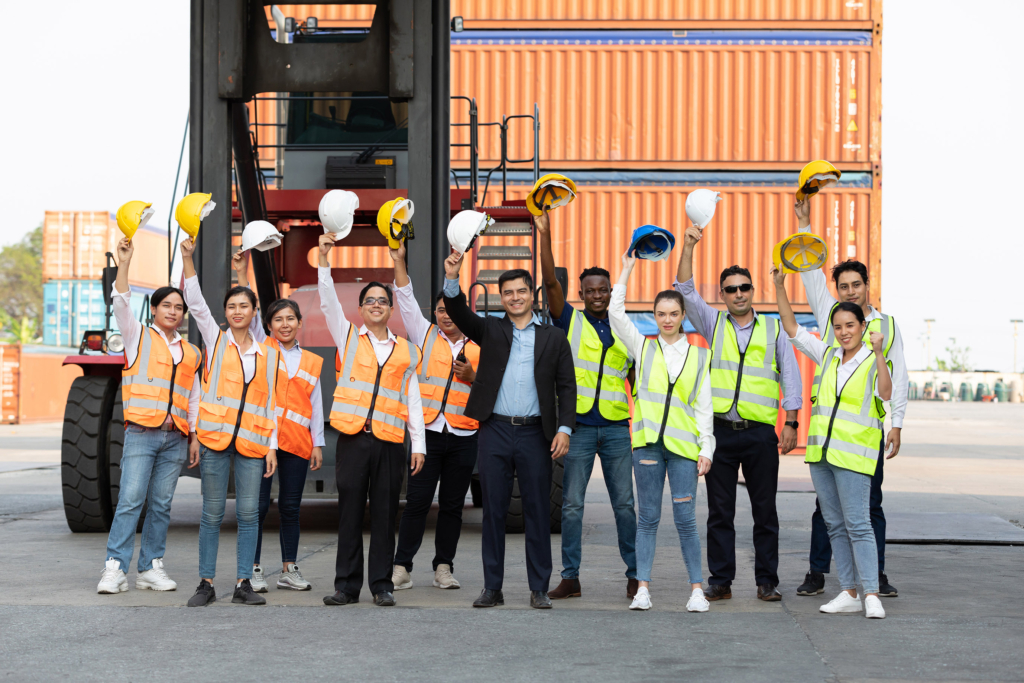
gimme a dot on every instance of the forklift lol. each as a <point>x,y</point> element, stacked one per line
<point>360,109</point>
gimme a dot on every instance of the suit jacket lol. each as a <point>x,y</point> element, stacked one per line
<point>553,370</point>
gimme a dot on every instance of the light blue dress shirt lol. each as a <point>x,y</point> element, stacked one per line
<point>517,395</point>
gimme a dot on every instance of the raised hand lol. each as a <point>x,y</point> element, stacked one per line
<point>125,249</point>
<point>543,223</point>
<point>326,242</point>
<point>452,265</point>
<point>692,236</point>
<point>187,247</point>
<point>802,210</point>
<point>778,277</point>
<point>398,255</point>
<point>876,341</point>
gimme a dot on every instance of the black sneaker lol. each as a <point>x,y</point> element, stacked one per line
<point>814,584</point>
<point>886,589</point>
<point>245,595</point>
<point>384,599</point>
<point>204,595</point>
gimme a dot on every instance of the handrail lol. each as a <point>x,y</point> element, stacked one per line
<point>487,300</point>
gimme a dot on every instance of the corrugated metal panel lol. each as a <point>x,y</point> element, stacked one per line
<point>662,10</point>
<point>674,105</point>
<point>595,230</point>
<point>45,383</point>
<point>10,369</point>
<point>70,307</point>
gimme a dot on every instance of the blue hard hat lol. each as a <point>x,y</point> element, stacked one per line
<point>651,243</point>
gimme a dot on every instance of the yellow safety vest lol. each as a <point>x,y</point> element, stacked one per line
<point>663,409</point>
<point>600,372</point>
<point>885,324</point>
<point>846,429</point>
<point>748,380</point>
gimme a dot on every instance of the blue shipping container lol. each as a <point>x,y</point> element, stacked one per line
<point>71,307</point>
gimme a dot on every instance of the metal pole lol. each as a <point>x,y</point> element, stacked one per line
<point>536,142</point>
<point>1015,323</point>
<point>474,157</point>
<point>928,341</point>
<point>504,155</point>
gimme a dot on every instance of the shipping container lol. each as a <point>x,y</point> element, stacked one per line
<point>756,212</point>
<point>71,307</point>
<point>10,364</point>
<point>541,14</point>
<point>656,100</point>
<point>75,244</point>
<point>45,382</point>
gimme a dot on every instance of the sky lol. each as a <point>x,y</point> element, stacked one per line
<point>95,115</point>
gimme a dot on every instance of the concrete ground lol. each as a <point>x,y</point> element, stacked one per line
<point>958,616</point>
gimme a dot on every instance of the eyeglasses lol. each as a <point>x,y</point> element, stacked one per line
<point>369,301</point>
<point>731,289</point>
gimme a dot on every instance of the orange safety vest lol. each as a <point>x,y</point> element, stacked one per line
<point>440,389</point>
<point>165,386</point>
<point>233,410</point>
<point>295,403</point>
<point>370,395</point>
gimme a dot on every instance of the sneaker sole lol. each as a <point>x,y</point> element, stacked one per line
<point>437,584</point>
<point>705,609</point>
<point>845,611</point>
<point>888,595</point>
<point>123,588</point>
<point>205,604</point>
<point>288,586</point>
<point>816,592</point>
<point>151,587</point>
<point>403,586</point>
<point>261,589</point>
<point>241,601</point>
<point>640,609</point>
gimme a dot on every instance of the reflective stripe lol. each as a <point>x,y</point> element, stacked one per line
<point>212,398</point>
<point>681,434</point>
<point>745,396</point>
<point>253,437</point>
<point>219,427</point>
<point>748,371</point>
<point>306,376</point>
<point>845,446</point>
<point>349,409</point>
<point>428,350</point>
<point>826,412</point>
<point>146,403</point>
<point>178,412</point>
<point>605,394</point>
<point>298,419</point>
<point>152,381</point>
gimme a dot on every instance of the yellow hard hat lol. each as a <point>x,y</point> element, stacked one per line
<point>132,216</point>
<point>394,220</point>
<point>191,211</point>
<point>549,192</point>
<point>800,253</point>
<point>814,176</point>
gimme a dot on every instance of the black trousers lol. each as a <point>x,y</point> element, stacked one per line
<point>507,450</point>
<point>365,465</point>
<point>449,459</point>
<point>756,450</point>
<point>291,480</point>
<point>821,546</point>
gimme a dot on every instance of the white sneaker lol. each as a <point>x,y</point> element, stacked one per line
<point>873,607</point>
<point>401,578</point>
<point>642,599</point>
<point>697,601</point>
<point>443,578</point>
<point>842,604</point>
<point>155,578</point>
<point>258,581</point>
<point>112,580</point>
<point>292,579</point>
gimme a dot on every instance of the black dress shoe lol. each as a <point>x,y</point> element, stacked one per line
<point>886,589</point>
<point>384,599</point>
<point>340,598</point>
<point>814,584</point>
<point>715,592</point>
<point>539,600</point>
<point>489,598</point>
<point>768,593</point>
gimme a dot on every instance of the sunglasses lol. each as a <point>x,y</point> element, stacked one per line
<point>369,301</point>
<point>731,289</point>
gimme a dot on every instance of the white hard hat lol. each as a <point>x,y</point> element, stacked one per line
<point>700,206</point>
<point>261,236</point>
<point>336,211</point>
<point>464,228</point>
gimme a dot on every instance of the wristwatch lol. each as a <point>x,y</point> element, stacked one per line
<point>794,424</point>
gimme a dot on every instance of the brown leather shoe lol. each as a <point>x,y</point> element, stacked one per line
<point>568,588</point>
<point>768,593</point>
<point>715,592</point>
<point>631,588</point>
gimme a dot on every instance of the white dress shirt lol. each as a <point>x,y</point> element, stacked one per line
<point>209,330</point>
<point>131,332</point>
<point>338,325</point>
<point>292,358</point>
<point>675,357</point>
<point>417,326</point>
<point>815,349</point>
<point>822,301</point>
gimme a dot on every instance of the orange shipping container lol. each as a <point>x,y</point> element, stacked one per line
<point>75,244</point>
<point>674,99</point>
<point>35,383</point>
<point>10,363</point>
<point>750,220</point>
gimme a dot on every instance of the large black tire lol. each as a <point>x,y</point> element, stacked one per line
<point>557,472</point>
<point>85,466</point>
<point>115,450</point>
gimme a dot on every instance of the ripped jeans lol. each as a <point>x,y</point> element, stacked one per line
<point>650,464</point>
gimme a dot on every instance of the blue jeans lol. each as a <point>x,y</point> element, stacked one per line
<point>821,550</point>
<point>150,464</point>
<point>650,464</point>
<point>291,480</point>
<point>612,443</point>
<point>844,497</point>
<point>215,469</point>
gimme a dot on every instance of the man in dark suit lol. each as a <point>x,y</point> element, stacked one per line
<point>524,396</point>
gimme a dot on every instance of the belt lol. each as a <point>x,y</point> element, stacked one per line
<point>518,421</point>
<point>736,425</point>
<point>162,428</point>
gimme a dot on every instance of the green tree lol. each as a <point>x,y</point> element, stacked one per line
<point>959,358</point>
<point>21,284</point>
